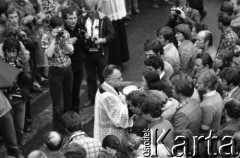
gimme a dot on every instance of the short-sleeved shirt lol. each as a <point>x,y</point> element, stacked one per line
<point>60,57</point>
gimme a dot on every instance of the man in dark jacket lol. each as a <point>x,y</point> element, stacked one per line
<point>76,30</point>
<point>100,33</point>
<point>182,13</point>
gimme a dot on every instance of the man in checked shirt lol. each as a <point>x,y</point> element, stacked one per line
<point>58,46</point>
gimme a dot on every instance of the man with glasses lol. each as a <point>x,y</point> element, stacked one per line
<point>111,111</point>
<point>100,33</point>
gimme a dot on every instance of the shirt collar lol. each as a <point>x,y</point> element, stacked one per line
<point>77,133</point>
<point>162,74</point>
<point>165,47</point>
<point>185,102</point>
<point>226,31</point>
<point>209,94</point>
<point>231,92</point>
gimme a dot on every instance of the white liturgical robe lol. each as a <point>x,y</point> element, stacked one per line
<point>111,113</point>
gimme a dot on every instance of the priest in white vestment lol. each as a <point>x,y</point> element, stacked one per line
<point>111,112</point>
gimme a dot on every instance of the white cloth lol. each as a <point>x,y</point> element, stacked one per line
<point>111,114</point>
<point>92,28</point>
<point>114,9</point>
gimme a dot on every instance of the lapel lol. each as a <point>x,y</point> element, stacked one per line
<point>235,93</point>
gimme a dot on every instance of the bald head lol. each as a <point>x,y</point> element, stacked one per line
<point>207,36</point>
<point>37,154</point>
<point>204,39</point>
<point>53,140</point>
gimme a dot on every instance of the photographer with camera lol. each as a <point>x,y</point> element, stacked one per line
<point>182,13</point>
<point>77,31</point>
<point>100,33</point>
<point>58,46</point>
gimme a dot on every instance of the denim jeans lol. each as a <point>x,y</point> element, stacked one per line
<point>95,63</point>
<point>19,108</point>
<point>60,82</point>
<point>8,133</point>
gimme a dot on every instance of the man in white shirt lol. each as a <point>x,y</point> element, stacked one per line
<point>100,33</point>
<point>111,112</point>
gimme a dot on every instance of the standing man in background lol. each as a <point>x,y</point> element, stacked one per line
<point>76,30</point>
<point>100,33</point>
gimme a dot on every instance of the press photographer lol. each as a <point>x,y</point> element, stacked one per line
<point>100,33</point>
<point>182,13</point>
<point>77,33</point>
<point>58,46</point>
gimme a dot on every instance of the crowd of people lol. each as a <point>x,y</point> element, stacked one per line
<point>190,89</point>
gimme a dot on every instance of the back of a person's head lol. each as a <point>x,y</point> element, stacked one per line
<point>166,32</point>
<point>199,27</point>
<point>56,21</point>
<point>152,79</point>
<point>231,75</point>
<point>108,70</point>
<point>232,107</point>
<point>136,97</point>
<point>133,141</point>
<point>224,19</point>
<point>227,7</point>
<point>153,45</point>
<point>154,61</point>
<point>72,121</point>
<point>159,95</point>
<point>206,59</point>
<point>151,106</point>
<point>37,154</point>
<point>74,150</point>
<point>183,84</point>
<point>111,141</point>
<point>53,140</point>
<point>185,30</point>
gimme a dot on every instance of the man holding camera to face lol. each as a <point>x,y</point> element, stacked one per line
<point>182,13</point>
<point>58,47</point>
<point>100,33</point>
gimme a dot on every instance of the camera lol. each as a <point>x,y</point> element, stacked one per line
<point>91,45</point>
<point>81,34</point>
<point>176,10</point>
<point>60,32</point>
